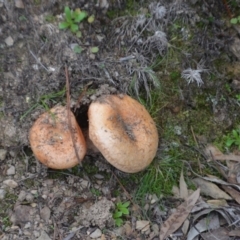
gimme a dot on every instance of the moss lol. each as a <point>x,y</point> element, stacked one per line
<point>6,205</point>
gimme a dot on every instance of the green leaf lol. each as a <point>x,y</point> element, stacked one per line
<point>235,133</point>
<point>68,14</point>
<point>119,204</point>
<point>238,18</point>
<point>119,222</point>
<point>117,214</point>
<point>234,21</point>
<point>63,25</point>
<point>94,49</point>
<point>126,204</point>
<point>74,27</point>
<point>77,49</point>
<point>79,17</point>
<point>229,142</point>
<point>78,34</point>
<point>125,211</point>
<point>91,19</point>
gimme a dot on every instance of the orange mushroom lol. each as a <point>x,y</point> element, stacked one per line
<point>51,139</point>
<point>123,131</point>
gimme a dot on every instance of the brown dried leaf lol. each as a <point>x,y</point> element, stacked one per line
<point>234,233</point>
<point>183,187</point>
<point>217,203</point>
<point>210,221</point>
<point>234,193</point>
<point>178,217</point>
<point>219,234</point>
<point>210,189</point>
<point>214,153</point>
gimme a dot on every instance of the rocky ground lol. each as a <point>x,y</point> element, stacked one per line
<point>188,47</point>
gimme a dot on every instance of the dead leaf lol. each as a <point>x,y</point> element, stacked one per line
<point>219,234</point>
<point>234,193</point>
<point>211,221</point>
<point>214,153</point>
<point>216,203</point>
<point>210,189</point>
<point>183,187</point>
<point>176,192</point>
<point>234,233</point>
<point>178,217</point>
<point>233,172</point>
<point>143,225</point>
<point>219,181</point>
<point>185,227</point>
<point>200,205</point>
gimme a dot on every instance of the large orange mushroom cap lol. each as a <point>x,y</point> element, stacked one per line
<point>123,131</point>
<point>51,140</point>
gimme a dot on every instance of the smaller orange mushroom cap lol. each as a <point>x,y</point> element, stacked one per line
<point>123,131</point>
<point>51,140</point>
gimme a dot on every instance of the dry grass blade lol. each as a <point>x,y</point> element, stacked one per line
<point>178,217</point>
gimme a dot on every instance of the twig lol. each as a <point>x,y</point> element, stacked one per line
<point>227,8</point>
<point>69,117</point>
<point>37,60</point>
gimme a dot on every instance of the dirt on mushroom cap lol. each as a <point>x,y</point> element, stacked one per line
<point>123,131</point>
<point>51,141</point>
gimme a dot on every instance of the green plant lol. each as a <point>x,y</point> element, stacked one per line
<point>121,210</point>
<point>72,18</point>
<point>233,138</point>
<point>43,101</point>
<point>235,20</point>
<point>238,97</point>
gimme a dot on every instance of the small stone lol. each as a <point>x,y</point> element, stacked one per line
<point>155,228</point>
<point>43,236</point>
<point>154,199</point>
<point>19,4</point>
<point>29,197</point>
<point>96,234</point>
<point>92,56</point>
<point>10,183</point>
<point>99,176</point>
<point>146,207</point>
<point>33,205</point>
<point>84,183</point>
<point>34,192</point>
<point>9,41</point>
<point>45,214</point>
<point>22,196</point>
<point>2,193</point>
<point>11,170</point>
<point>3,154</point>
<point>44,196</point>
<point>27,225</point>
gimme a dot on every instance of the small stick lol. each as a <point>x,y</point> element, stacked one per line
<point>128,195</point>
<point>68,115</point>
<point>81,96</point>
<point>227,8</point>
